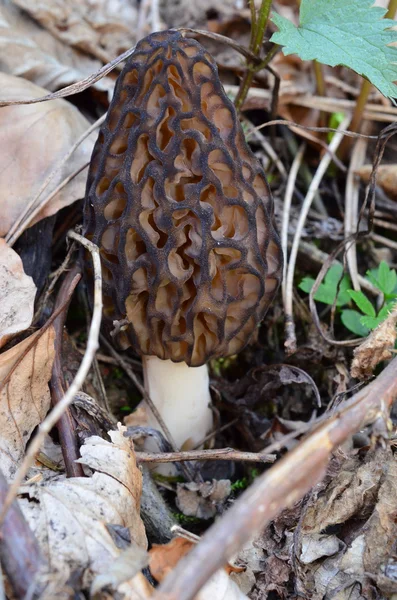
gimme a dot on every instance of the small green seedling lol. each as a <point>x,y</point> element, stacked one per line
<point>362,321</point>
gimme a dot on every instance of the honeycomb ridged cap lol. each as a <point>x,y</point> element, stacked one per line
<point>180,209</point>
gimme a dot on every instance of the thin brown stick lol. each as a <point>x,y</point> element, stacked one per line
<point>58,410</point>
<point>278,488</point>
<point>75,88</point>
<point>65,425</point>
<point>20,555</point>
<point>218,454</point>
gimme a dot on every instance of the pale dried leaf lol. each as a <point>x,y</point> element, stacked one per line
<point>33,140</point>
<point>17,294</point>
<point>220,587</point>
<point>27,50</point>
<point>25,397</point>
<point>69,516</point>
<point>202,500</point>
<point>353,491</point>
<point>125,568</point>
<point>375,348</point>
<point>315,546</point>
<point>103,28</point>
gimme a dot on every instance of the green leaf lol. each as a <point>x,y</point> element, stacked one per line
<point>386,309</point>
<point>370,322</point>
<point>327,291</point>
<point>351,320</point>
<point>344,32</point>
<point>363,303</point>
<point>306,284</point>
<point>372,276</point>
<point>383,276</point>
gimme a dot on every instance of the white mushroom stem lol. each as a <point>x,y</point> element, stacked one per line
<point>181,395</point>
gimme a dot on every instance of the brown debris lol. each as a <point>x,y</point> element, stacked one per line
<point>376,348</point>
<point>180,208</point>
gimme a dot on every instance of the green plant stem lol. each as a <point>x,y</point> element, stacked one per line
<point>258,28</point>
<point>320,84</point>
<point>252,70</point>
<point>261,24</point>
<point>391,11</point>
<point>253,24</point>
<point>318,72</point>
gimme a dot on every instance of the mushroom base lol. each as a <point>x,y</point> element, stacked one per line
<point>181,395</point>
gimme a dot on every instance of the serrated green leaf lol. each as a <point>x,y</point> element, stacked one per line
<point>339,32</point>
<point>306,284</point>
<point>363,303</point>
<point>370,322</point>
<point>386,309</point>
<point>327,291</point>
<point>372,277</point>
<point>383,275</point>
<point>351,320</point>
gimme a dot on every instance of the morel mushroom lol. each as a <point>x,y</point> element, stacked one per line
<point>181,211</point>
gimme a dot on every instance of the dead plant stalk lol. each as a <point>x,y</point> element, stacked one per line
<point>290,342</point>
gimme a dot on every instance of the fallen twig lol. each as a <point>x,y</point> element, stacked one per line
<point>278,488</point>
<point>20,555</point>
<point>59,409</point>
<point>66,429</point>
<point>218,454</point>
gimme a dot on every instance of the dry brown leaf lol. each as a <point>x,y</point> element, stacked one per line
<point>386,178</point>
<point>33,140</point>
<point>70,516</point>
<point>25,397</point>
<point>202,499</point>
<point>375,348</point>
<point>27,50</point>
<point>353,491</point>
<point>186,13</point>
<point>362,499</point>
<point>379,558</point>
<point>163,559</point>
<point>103,28</point>
<point>17,294</point>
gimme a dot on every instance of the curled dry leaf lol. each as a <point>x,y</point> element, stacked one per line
<point>163,559</point>
<point>27,50</point>
<point>24,395</point>
<point>33,140</point>
<point>17,294</point>
<point>202,500</point>
<point>125,571</point>
<point>103,28</point>
<point>375,348</point>
<point>70,516</point>
<point>386,178</point>
<point>186,13</point>
<point>361,499</point>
